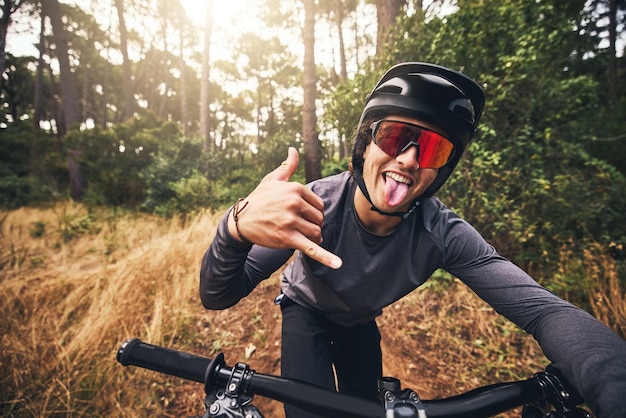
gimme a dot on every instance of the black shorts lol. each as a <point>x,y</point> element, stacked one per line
<point>318,351</point>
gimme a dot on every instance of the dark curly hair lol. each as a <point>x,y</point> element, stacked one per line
<point>362,137</point>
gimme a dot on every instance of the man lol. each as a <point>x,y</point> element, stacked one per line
<point>370,236</point>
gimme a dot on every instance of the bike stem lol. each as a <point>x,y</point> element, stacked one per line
<point>398,402</point>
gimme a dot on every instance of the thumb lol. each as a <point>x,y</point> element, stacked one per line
<point>286,169</point>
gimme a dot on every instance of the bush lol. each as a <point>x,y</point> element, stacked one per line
<point>189,194</point>
<point>237,183</point>
<point>174,181</point>
<point>74,222</point>
<point>16,191</point>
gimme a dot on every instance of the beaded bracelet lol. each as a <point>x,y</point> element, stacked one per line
<point>236,211</point>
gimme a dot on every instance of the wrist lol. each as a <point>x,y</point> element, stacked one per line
<point>234,221</point>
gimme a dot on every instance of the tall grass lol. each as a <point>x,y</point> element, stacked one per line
<point>606,296</point>
<point>67,304</point>
<point>74,284</point>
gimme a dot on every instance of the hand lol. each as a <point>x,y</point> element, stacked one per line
<point>284,214</point>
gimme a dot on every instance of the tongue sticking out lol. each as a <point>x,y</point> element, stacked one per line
<point>395,191</point>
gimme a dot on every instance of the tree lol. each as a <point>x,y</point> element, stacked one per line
<point>8,7</point>
<point>69,101</point>
<point>204,79</point>
<point>599,57</point>
<point>336,12</point>
<point>312,166</point>
<point>525,181</point>
<point>387,12</point>
<point>182,23</point>
<point>71,114</point>
<point>38,96</point>
<point>129,98</point>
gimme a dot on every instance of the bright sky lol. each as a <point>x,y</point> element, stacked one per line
<point>21,37</point>
<point>231,18</point>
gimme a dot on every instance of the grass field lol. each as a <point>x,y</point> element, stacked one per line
<point>74,284</point>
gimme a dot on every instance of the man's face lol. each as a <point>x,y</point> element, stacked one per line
<point>393,183</point>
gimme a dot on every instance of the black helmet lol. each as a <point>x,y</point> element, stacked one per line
<point>431,93</point>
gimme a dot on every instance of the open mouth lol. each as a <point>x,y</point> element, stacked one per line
<point>396,188</point>
<point>397,178</point>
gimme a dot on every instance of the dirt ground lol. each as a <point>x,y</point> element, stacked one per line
<point>424,359</point>
<point>68,305</point>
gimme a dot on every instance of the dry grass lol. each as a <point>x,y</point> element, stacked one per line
<point>68,304</point>
<point>607,296</point>
<point>74,285</point>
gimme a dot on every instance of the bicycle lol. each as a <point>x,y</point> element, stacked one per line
<point>230,391</point>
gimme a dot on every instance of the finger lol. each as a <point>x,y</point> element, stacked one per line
<point>312,199</point>
<point>286,169</point>
<point>312,214</point>
<point>310,230</point>
<point>318,253</point>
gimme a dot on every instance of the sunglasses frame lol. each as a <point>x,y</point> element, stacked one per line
<point>374,129</point>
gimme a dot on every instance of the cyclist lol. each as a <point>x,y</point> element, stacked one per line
<point>371,235</point>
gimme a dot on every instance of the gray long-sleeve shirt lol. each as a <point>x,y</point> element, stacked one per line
<point>379,270</point>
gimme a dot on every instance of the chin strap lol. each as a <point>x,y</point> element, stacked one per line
<point>358,178</point>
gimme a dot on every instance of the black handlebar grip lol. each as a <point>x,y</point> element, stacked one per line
<point>134,352</point>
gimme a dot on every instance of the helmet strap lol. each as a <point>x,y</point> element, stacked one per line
<point>358,178</point>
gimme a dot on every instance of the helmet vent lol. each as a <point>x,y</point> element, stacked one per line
<point>464,112</point>
<point>390,88</point>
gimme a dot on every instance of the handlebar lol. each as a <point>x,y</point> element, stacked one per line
<point>214,373</point>
<point>482,402</point>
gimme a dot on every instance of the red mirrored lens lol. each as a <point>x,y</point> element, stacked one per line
<point>393,137</point>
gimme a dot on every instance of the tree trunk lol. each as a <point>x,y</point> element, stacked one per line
<point>312,165</point>
<point>129,99</point>
<point>387,14</point>
<point>612,65</point>
<point>339,16</point>
<point>205,130</point>
<point>38,98</point>
<point>69,101</point>
<point>5,21</point>
<point>184,109</point>
<point>52,9</point>
<point>343,70</point>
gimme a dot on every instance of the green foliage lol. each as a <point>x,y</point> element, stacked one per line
<point>606,139</point>
<point>237,183</point>
<point>174,180</point>
<point>16,191</point>
<point>113,160</point>
<point>15,149</point>
<point>335,167</point>
<point>18,88</point>
<point>525,182</point>
<point>74,222</point>
<point>344,104</point>
<point>544,171</point>
<point>273,151</point>
<point>30,166</point>
<point>189,194</point>
<point>37,229</point>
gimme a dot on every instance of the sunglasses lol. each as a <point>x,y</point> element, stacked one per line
<point>394,137</point>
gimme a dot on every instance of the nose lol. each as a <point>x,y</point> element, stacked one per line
<point>408,157</point>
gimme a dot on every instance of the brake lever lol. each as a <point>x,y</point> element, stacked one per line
<point>235,401</point>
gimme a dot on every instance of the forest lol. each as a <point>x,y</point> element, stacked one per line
<point>135,105</point>
<point>129,124</point>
